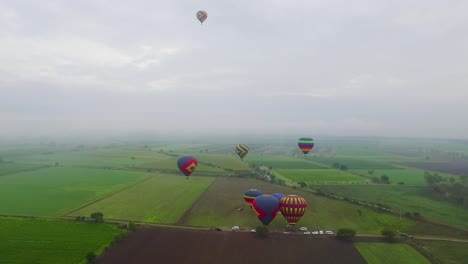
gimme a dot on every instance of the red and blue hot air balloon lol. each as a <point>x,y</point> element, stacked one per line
<point>266,207</point>
<point>250,195</point>
<point>306,144</point>
<point>187,165</point>
<point>278,196</point>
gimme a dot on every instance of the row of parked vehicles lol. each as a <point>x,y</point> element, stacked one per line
<point>317,232</point>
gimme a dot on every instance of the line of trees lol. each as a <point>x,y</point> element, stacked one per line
<point>455,191</point>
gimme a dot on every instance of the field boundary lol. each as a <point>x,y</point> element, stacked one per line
<point>27,170</point>
<point>105,196</point>
<point>187,212</point>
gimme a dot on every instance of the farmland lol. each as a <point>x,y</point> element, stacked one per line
<point>383,253</point>
<point>175,245</point>
<point>320,176</point>
<point>161,199</point>
<point>458,168</point>
<point>10,168</point>
<point>447,252</point>
<point>217,207</point>
<point>282,162</point>
<point>404,198</point>
<point>352,163</point>
<point>53,191</point>
<point>51,241</point>
<point>406,176</point>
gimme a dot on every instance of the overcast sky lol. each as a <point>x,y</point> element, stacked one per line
<point>357,68</point>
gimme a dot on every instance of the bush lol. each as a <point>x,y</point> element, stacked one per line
<point>262,231</point>
<point>90,257</point>
<point>345,234</point>
<point>389,234</point>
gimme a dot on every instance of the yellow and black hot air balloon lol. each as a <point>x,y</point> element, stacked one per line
<point>292,208</point>
<point>242,150</point>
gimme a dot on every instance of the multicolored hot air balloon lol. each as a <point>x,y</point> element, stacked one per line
<point>306,144</point>
<point>242,150</point>
<point>292,208</point>
<point>266,207</point>
<point>201,16</point>
<point>250,195</point>
<point>278,196</point>
<point>187,165</point>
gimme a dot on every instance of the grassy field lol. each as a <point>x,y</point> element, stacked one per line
<point>352,163</point>
<point>320,176</point>
<point>282,162</point>
<point>447,252</point>
<point>10,168</point>
<point>231,162</point>
<point>51,241</point>
<point>161,199</point>
<point>383,253</point>
<point>404,198</point>
<point>217,207</point>
<point>409,176</point>
<point>54,191</point>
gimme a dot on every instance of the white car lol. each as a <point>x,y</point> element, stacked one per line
<point>314,232</point>
<point>303,228</point>
<point>307,233</point>
<point>235,228</point>
<point>253,231</point>
<point>329,232</point>
<point>321,232</point>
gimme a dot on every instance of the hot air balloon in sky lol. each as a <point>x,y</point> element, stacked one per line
<point>266,207</point>
<point>250,195</point>
<point>242,150</point>
<point>278,196</point>
<point>201,16</point>
<point>187,165</point>
<point>306,144</point>
<point>292,207</point>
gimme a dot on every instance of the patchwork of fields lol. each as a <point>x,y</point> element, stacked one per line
<point>320,176</point>
<point>384,253</point>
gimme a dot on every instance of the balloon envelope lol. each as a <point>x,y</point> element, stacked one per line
<point>242,150</point>
<point>187,164</point>
<point>201,16</point>
<point>250,195</point>
<point>306,144</point>
<point>292,208</point>
<point>266,207</point>
<point>278,196</point>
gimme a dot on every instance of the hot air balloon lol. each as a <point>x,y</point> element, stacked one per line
<point>292,207</point>
<point>250,195</point>
<point>278,196</point>
<point>242,150</point>
<point>187,165</point>
<point>306,144</point>
<point>266,207</point>
<point>201,16</point>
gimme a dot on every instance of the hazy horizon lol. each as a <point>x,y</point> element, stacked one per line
<point>274,68</point>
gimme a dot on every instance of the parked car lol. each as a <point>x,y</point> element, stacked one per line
<point>329,232</point>
<point>253,231</point>
<point>321,232</point>
<point>303,228</point>
<point>218,229</point>
<point>235,228</point>
<point>306,233</point>
<point>315,232</point>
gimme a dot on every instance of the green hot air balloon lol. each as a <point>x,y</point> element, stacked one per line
<point>242,150</point>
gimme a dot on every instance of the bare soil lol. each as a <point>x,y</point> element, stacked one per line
<point>178,245</point>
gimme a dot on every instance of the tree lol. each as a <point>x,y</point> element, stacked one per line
<point>452,180</point>
<point>336,165</point>
<point>345,234</point>
<point>384,178</point>
<point>262,231</point>
<point>343,167</point>
<point>302,184</point>
<point>370,172</point>
<point>98,217</point>
<point>389,234</point>
<point>90,257</point>
<point>359,212</point>
<point>417,215</point>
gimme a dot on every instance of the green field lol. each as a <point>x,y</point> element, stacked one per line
<point>217,207</point>
<point>161,199</point>
<point>10,168</point>
<point>404,198</point>
<point>447,252</point>
<point>54,191</point>
<point>384,253</point>
<point>352,163</point>
<point>319,176</point>
<point>51,241</point>
<point>408,176</point>
<point>231,162</point>
<point>282,162</point>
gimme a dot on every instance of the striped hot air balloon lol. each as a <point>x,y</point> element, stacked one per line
<point>306,144</point>
<point>242,150</point>
<point>292,207</point>
<point>250,195</point>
